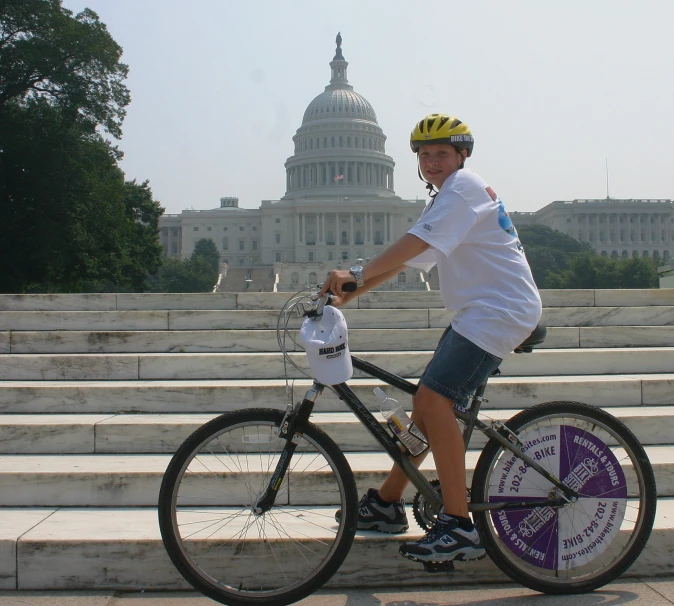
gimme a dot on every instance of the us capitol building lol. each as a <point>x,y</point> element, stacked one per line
<point>340,208</point>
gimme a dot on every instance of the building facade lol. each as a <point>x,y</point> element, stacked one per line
<point>613,228</point>
<point>339,206</point>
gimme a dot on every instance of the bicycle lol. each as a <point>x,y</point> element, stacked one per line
<point>563,493</point>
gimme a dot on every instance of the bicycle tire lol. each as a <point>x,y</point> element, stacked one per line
<point>568,549</point>
<point>216,541</point>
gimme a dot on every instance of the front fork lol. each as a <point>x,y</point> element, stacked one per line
<point>287,432</point>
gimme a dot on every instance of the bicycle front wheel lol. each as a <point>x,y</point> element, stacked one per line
<point>217,541</point>
<point>582,545</point>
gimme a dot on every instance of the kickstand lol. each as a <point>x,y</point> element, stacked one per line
<point>434,567</point>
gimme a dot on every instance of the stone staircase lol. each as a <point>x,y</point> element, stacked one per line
<point>97,392</point>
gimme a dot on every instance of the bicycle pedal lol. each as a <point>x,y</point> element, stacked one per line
<point>435,567</point>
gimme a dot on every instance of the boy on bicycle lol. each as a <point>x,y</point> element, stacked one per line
<point>486,282</point>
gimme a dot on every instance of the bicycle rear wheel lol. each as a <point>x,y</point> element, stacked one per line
<point>583,545</point>
<point>221,546</point>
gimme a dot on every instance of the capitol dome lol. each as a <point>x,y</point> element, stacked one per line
<point>339,103</point>
<point>339,148</point>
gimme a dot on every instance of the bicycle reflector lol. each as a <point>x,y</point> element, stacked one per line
<point>326,342</point>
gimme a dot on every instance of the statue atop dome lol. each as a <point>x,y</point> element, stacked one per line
<point>338,52</point>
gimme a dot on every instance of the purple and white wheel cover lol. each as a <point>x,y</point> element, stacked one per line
<point>574,535</point>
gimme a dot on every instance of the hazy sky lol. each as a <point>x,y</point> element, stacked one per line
<point>549,89</point>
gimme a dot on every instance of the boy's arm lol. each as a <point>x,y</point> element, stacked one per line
<point>369,285</point>
<point>386,265</point>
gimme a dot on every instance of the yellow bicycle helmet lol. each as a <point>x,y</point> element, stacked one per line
<point>441,128</point>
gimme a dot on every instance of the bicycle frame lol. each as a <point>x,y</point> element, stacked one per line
<point>497,431</point>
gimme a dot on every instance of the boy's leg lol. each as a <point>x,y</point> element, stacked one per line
<point>444,436</point>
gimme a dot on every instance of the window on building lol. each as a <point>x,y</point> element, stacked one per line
<point>208,228</point>
<point>278,220</point>
<point>174,248</point>
<point>345,255</point>
<point>225,260</point>
<point>224,229</point>
<point>254,244</point>
<point>313,278</point>
<point>241,261</point>
<point>331,256</point>
<point>402,278</point>
<point>410,220</point>
<point>254,228</point>
<point>295,278</point>
<point>344,239</point>
<point>277,257</point>
<point>240,227</point>
<point>196,229</point>
<point>278,238</point>
<point>225,244</point>
<point>311,256</point>
<point>331,237</point>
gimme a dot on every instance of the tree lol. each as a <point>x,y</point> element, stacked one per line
<point>589,270</point>
<point>206,248</point>
<point>187,275</point>
<point>548,251</point>
<point>68,220</point>
<point>70,61</point>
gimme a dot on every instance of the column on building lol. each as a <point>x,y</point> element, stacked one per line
<point>321,232</point>
<point>352,240</point>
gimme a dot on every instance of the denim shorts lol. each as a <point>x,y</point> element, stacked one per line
<point>458,368</point>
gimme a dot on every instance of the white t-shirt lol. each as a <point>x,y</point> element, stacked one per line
<point>484,276</point>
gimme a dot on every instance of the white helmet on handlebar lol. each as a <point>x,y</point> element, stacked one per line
<point>326,342</point>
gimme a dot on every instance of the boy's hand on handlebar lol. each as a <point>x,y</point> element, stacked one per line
<point>335,282</point>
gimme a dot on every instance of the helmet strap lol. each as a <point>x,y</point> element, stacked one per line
<point>432,192</point>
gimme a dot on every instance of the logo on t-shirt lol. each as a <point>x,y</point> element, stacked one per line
<point>427,227</point>
<point>504,219</point>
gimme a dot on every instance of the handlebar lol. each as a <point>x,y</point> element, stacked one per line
<point>326,299</point>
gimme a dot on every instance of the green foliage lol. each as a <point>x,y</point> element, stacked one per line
<point>589,270</point>
<point>548,251</point>
<point>72,62</point>
<point>199,273</point>
<point>206,248</point>
<point>68,220</point>
<point>560,261</point>
<point>187,275</point>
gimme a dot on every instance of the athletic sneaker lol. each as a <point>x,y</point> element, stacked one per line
<point>445,541</point>
<point>374,514</point>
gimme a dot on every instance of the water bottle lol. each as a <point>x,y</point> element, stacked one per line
<point>400,423</point>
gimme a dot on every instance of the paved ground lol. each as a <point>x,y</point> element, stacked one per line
<point>635,592</point>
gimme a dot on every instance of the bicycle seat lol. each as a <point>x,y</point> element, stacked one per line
<point>535,338</point>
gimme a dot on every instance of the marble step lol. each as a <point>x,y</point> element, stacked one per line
<point>59,549</point>
<point>258,319</point>
<point>239,341</point>
<point>134,480</point>
<point>202,396</point>
<point>382,300</point>
<point>177,366</point>
<point>163,433</point>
